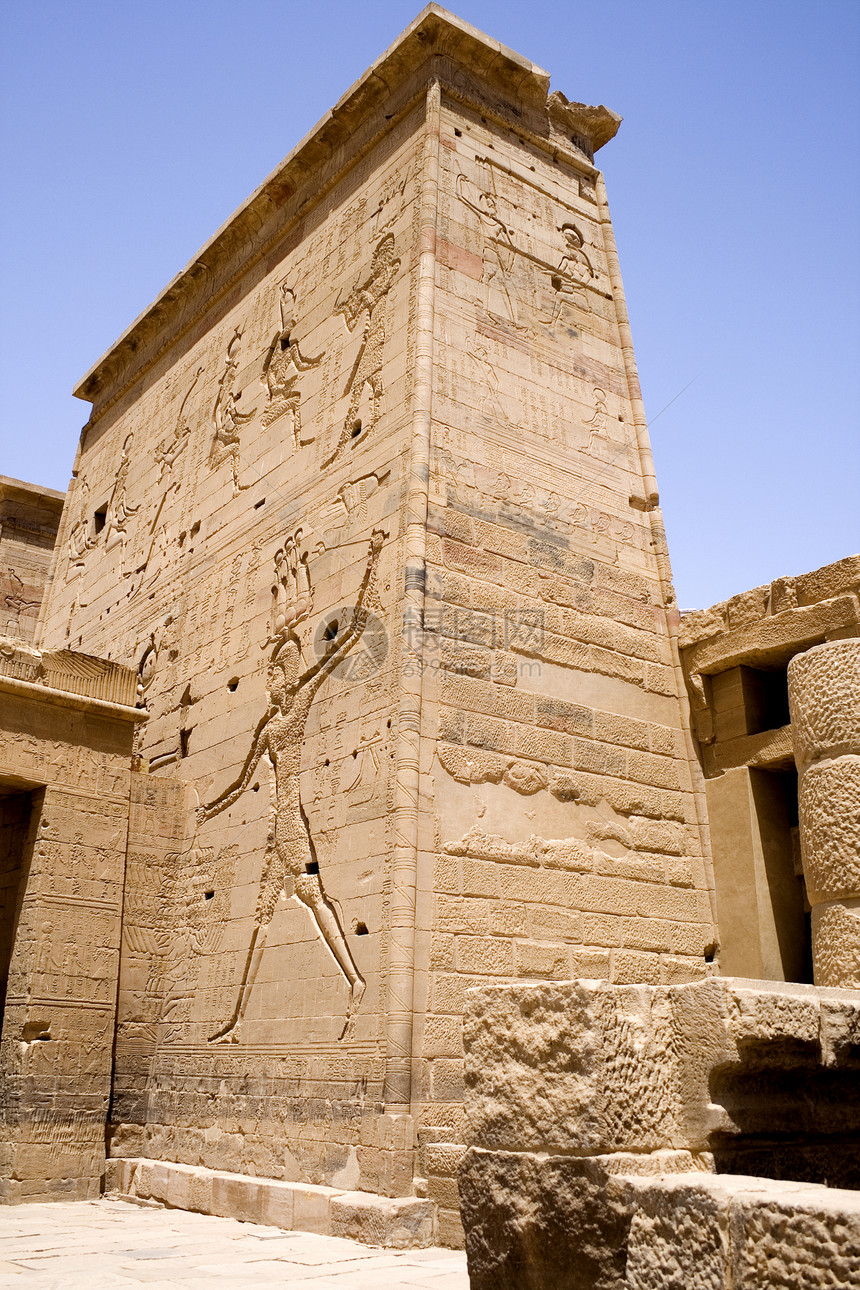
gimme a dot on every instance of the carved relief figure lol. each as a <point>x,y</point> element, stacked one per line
<point>291,863</point>
<point>486,380</point>
<point>369,298</point>
<point>119,510</point>
<point>169,450</point>
<point>499,250</point>
<point>284,365</point>
<point>15,602</point>
<point>597,420</point>
<point>572,273</point>
<point>226,416</point>
<point>80,540</point>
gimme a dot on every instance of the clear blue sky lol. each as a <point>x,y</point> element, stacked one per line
<point>130,132</point>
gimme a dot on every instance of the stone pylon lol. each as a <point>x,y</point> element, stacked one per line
<point>367,499</point>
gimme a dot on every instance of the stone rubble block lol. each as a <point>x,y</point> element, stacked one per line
<point>825,713</point>
<point>555,1066</point>
<point>400,1223</point>
<point>403,1222</point>
<point>533,1221</point>
<point>595,1068</point>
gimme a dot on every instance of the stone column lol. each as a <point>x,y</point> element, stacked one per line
<point>824,693</point>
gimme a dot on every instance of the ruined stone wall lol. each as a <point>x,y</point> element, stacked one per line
<point>737,658</point>
<point>641,1136</point>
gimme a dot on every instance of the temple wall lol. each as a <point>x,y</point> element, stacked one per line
<point>64,788</point>
<point>211,512</point>
<point>561,830</point>
<point>29,519</point>
<point>366,502</point>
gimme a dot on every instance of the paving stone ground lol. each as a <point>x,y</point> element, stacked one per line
<point>102,1244</point>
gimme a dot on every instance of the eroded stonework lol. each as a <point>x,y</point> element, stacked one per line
<point>774,681</point>
<point>598,1115</point>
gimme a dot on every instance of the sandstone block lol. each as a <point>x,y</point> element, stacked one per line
<point>312,1208</point>
<point>401,1223</point>
<point>836,943</point>
<point>676,1238</point>
<point>532,1223</point>
<point>277,1205</point>
<point>824,693</point>
<point>829,811</point>
<point>560,1061</point>
<point>803,1239</point>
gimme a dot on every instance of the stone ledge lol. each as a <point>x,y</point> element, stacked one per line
<point>538,1220</point>
<point>401,1222</point>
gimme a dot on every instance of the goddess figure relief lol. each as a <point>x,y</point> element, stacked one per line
<point>367,300</point>
<point>284,365</point>
<point>226,417</point>
<point>80,539</point>
<point>119,509</point>
<point>573,273</point>
<point>291,866</point>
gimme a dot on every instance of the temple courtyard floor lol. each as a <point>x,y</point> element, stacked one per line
<point>93,1245</point>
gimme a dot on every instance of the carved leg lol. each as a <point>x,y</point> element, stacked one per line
<point>310,892</point>
<point>348,421</point>
<point>252,964</point>
<point>296,406</point>
<point>375,382</point>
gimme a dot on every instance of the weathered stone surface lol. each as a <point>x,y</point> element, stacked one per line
<point>533,1222</point>
<point>677,1238</point>
<point>824,690</point>
<point>756,1072</point>
<point>401,1223</point>
<point>562,1066</point>
<point>829,810</point>
<point>836,937</point>
<point>806,1241</point>
<point>765,1072</point>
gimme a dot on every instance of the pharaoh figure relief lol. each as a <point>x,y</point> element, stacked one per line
<point>367,300</point>
<point>171,449</point>
<point>284,365</point>
<point>119,509</point>
<point>81,539</point>
<point>498,251</point>
<point>291,866</point>
<point>572,275</point>
<point>226,417</point>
